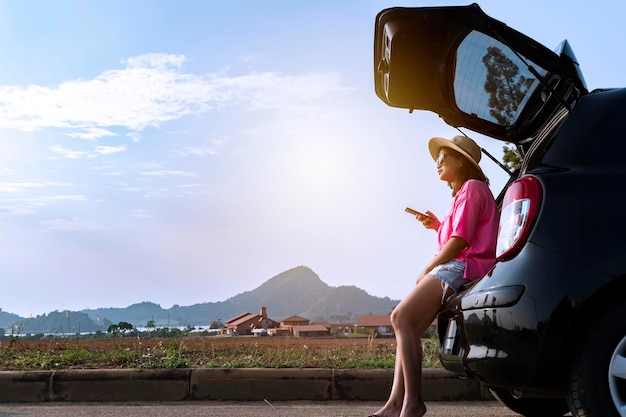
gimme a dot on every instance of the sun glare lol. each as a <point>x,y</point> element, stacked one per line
<point>318,167</point>
<point>318,171</point>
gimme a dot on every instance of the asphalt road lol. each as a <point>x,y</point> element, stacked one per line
<point>244,409</point>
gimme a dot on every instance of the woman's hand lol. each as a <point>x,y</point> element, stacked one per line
<point>421,276</point>
<point>453,247</point>
<point>430,221</point>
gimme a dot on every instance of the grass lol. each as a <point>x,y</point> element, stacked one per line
<point>205,352</point>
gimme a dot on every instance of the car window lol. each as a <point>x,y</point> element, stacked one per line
<point>491,81</point>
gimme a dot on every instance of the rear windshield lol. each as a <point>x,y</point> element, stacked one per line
<point>491,81</point>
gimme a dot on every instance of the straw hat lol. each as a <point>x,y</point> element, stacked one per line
<point>462,144</point>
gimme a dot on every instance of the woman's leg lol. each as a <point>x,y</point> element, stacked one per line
<point>410,320</point>
<point>394,403</point>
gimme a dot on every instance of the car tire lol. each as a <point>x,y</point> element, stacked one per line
<point>531,407</point>
<point>597,380</point>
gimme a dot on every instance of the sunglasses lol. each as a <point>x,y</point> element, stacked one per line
<point>441,159</point>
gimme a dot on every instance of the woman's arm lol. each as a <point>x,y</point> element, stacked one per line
<point>449,251</point>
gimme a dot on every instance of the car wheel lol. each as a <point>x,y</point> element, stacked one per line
<point>531,407</point>
<point>597,383</point>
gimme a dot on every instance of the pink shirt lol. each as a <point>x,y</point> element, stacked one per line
<point>473,216</point>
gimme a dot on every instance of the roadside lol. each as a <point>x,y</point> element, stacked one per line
<point>259,384</point>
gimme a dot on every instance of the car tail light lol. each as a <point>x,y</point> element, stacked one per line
<point>520,209</point>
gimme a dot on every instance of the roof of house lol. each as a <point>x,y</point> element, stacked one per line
<point>374,320</point>
<point>310,328</point>
<point>245,319</point>
<point>296,318</point>
<point>237,317</point>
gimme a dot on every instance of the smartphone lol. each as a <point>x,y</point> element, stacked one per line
<point>415,212</point>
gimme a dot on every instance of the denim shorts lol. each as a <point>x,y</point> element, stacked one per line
<point>450,273</point>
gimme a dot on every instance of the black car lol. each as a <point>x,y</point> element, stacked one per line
<point>545,330</point>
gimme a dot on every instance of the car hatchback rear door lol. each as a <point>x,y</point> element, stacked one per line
<point>472,70</point>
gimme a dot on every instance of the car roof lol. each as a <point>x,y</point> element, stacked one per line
<point>472,70</point>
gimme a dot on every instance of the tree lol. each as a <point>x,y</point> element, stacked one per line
<point>216,324</point>
<point>113,329</point>
<point>506,86</point>
<point>121,327</point>
<point>511,157</point>
<point>150,325</point>
<point>124,326</point>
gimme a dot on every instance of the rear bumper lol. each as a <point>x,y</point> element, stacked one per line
<point>483,345</point>
<point>510,329</point>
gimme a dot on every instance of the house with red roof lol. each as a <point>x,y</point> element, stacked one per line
<point>294,321</point>
<point>247,324</point>
<point>378,324</point>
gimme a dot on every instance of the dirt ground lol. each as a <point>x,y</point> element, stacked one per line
<point>202,342</point>
<point>211,351</point>
<point>194,343</point>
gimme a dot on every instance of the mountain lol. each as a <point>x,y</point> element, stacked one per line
<point>10,322</point>
<point>298,291</point>
<point>56,323</point>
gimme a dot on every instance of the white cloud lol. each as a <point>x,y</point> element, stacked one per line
<point>98,150</point>
<point>169,173</point>
<point>152,165</point>
<point>190,185</point>
<point>158,61</point>
<point>251,57</point>
<point>11,207</point>
<point>129,189</point>
<point>73,225</point>
<point>204,150</point>
<point>92,133</point>
<point>160,193</point>
<point>67,197</point>
<point>102,167</point>
<point>107,150</point>
<point>15,210</point>
<point>151,89</point>
<point>67,153</point>
<point>134,136</point>
<point>144,214</point>
<point>11,187</point>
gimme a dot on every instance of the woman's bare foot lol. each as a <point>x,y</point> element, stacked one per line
<point>414,411</point>
<point>388,410</point>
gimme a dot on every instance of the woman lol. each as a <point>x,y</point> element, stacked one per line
<point>466,242</point>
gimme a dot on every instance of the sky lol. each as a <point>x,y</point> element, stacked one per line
<point>183,152</point>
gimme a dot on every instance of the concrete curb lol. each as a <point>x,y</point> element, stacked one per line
<point>119,385</point>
